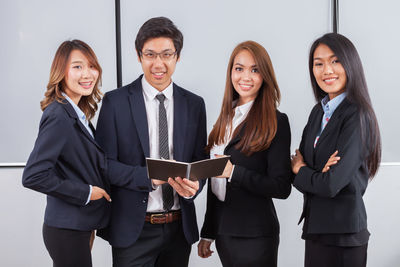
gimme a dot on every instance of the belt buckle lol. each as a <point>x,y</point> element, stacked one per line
<point>152,216</point>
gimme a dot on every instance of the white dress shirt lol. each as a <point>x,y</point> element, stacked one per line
<point>155,203</point>
<point>218,185</point>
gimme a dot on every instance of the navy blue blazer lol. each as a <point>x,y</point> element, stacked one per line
<point>248,210</point>
<point>122,131</point>
<point>333,201</point>
<point>64,161</point>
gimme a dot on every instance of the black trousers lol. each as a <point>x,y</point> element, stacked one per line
<point>159,245</point>
<point>247,252</point>
<point>68,248</point>
<point>320,255</point>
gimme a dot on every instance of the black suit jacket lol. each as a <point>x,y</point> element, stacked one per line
<point>248,209</point>
<point>333,200</point>
<point>122,131</point>
<point>65,160</point>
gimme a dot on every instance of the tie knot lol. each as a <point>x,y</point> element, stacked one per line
<point>161,98</point>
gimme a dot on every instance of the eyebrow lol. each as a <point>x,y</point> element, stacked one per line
<point>165,50</point>
<point>318,58</point>
<point>76,61</point>
<point>253,66</point>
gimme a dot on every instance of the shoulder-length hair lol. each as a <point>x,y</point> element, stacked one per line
<point>357,92</point>
<point>56,84</point>
<point>261,121</point>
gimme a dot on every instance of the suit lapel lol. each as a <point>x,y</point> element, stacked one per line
<point>138,109</point>
<point>333,121</point>
<point>71,112</point>
<point>234,141</point>
<point>180,122</point>
<point>314,128</point>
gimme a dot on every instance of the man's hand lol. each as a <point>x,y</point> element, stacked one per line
<point>98,193</point>
<point>184,187</point>
<point>203,248</point>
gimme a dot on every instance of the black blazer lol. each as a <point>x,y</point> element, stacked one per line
<point>333,201</point>
<point>122,131</point>
<point>64,161</point>
<point>248,209</point>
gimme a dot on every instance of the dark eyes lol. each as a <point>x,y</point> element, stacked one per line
<point>255,70</point>
<point>164,55</point>
<point>318,64</point>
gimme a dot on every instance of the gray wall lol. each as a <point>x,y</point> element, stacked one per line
<point>32,30</point>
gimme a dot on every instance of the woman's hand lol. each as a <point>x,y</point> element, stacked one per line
<point>297,161</point>
<point>203,248</point>
<point>333,159</point>
<point>98,193</point>
<point>228,168</point>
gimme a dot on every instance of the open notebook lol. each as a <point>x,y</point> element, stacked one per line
<point>162,169</point>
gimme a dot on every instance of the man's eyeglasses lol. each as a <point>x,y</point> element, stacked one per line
<point>165,55</point>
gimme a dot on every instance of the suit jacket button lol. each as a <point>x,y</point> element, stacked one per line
<point>144,200</point>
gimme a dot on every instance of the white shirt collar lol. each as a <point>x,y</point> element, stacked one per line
<point>78,111</point>
<point>150,92</point>
<point>243,109</point>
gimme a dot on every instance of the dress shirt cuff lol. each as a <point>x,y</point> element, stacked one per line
<point>230,177</point>
<point>154,186</point>
<point>90,194</point>
<point>207,239</point>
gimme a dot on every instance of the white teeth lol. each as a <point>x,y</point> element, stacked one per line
<point>86,83</point>
<point>330,80</point>
<point>159,73</point>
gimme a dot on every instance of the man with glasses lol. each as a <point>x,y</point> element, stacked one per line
<point>153,117</point>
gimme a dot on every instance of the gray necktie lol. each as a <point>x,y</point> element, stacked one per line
<point>167,191</point>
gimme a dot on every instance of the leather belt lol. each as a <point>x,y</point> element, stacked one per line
<point>161,218</point>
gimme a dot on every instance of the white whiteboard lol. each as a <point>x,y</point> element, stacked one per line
<point>32,31</point>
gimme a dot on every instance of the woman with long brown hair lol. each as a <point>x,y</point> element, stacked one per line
<point>66,163</point>
<point>240,214</point>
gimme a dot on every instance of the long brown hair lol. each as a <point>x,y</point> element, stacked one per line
<point>261,123</point>
<point>56,85</point>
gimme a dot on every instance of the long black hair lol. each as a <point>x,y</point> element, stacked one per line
<point>357,92</point>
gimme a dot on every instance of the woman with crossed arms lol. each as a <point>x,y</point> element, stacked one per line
<point>339,151</point>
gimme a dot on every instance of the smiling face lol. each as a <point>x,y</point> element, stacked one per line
<point>81,76</point>
<point>328,71</point>
<point>245,77</point>
<point>158,71</point>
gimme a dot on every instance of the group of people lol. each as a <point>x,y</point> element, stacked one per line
<point>96,179</point>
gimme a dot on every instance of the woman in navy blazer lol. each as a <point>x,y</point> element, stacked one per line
<point>241,216</point>
<point>339,152</point>
<point>66,163</point>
